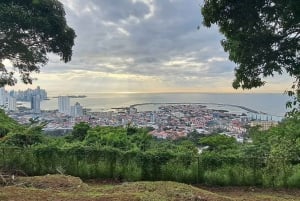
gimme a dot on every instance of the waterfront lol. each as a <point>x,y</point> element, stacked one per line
<point>170,115</point>
<point>273,104</point>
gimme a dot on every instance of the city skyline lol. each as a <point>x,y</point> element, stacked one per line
<point>142,46</point>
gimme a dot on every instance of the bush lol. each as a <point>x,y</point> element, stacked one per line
<point>174,171</point>
<point>217,177</point>
<point>232,176</point>
<point>294,180</point>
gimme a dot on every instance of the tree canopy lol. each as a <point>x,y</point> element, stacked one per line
<point>262,37</point>
<point>29,29</point>
<point>7,124</point>
<point>80,130</point>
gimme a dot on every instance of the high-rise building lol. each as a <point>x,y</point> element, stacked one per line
<point>2,96</point>
<point>76,110</point>
<point>64,104</point>
<point>27,94</point>
<point>11,103</point>
<point>36,104</point>
<point>153,118</point>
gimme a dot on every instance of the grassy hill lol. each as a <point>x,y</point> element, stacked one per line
<point>6,122</point>
<point>66,188</point>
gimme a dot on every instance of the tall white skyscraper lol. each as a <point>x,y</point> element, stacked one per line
<point>2,96</point>
<point>11,103</point>
<point>36,104</point>
<point>76,110</point>
<point>64,104</point>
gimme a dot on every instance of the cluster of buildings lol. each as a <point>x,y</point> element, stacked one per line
<point>27,95</point>
<point>175,120</point>
<point>60,121</point>
<point>65,108</point>
<point>166,121</point>
<point>8,100</point>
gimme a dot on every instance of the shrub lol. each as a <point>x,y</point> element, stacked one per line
<point>294,179</point>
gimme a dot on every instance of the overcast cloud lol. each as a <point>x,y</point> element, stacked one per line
<point>141,46</point>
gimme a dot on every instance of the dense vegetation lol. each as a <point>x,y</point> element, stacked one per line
<point>29,29</point>
<point>131,154</point>
<point>6,124</point>
<point>262,37</point>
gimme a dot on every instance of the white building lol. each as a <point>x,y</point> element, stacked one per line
<point>36,104</point>
<point>263,125</point>
<point>64,104</point>
<point>153,118</point>
<point>2,96</point>
<point>11,103</point>
<point>76,110</point>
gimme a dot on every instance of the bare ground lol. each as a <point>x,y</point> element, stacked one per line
<point>67,188</point>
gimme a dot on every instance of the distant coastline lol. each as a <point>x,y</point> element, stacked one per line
<point>273,104</point>
<point>73,96</point>
<point>79,96</point>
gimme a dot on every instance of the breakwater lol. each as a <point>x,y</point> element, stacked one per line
<point>218,104</point>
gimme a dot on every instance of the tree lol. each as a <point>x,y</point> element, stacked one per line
<point>218,142</point>
<point>7,124</point>
<point>26,138</point>
<point>141,138</point>
<point>29,29</point>
<point>80,130</point>
<point>262,38</point>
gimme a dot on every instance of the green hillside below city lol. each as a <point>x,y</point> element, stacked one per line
<point>267,159</point>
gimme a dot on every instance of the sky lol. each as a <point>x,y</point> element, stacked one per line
<point>142,46</point>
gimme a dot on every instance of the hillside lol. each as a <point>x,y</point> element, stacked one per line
<point>65,188</point>
<point>7,122</point>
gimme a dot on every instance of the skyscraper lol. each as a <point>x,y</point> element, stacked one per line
<point>76,110</point>
<point>64,104</point>
<point>11,103</point>
<point>2,96</point>
<point>36,104</point>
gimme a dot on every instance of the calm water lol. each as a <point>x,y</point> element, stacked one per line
<point>269,103</point>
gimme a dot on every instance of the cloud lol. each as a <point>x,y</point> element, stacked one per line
<point>140,45</point>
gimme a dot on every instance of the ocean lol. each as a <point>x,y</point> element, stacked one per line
<point>271,103</point>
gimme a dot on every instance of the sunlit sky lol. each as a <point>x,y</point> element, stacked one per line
<point>142,46</point>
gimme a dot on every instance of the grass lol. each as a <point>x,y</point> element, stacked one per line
<point>66,188</point>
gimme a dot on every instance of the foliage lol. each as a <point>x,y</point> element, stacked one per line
<point>218,142</point>
<point>26,138</point>
<point>294,179</point>
<point>193,136</point>
<point>28,31</point>
<point>7,124</point>
<point>106,136</point>
<point>17,135</point>
<point>80,130</point>
<point>262,37</point>
<point>271,159</point>
<point>141,139</point>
